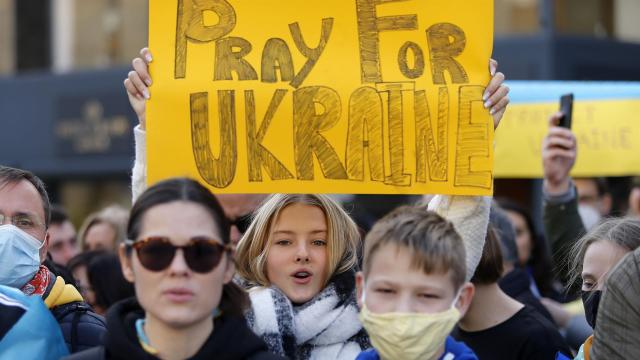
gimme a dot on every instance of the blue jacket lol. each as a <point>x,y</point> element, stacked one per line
<point>453,350</point>
<point>27,329</point>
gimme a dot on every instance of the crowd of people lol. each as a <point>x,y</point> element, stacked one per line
<point>187,274</point>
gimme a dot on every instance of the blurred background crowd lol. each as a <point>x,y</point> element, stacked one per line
<point>69,56</point>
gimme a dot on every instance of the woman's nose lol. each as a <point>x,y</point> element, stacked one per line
<point>179,264</point>
<point>302,255</point>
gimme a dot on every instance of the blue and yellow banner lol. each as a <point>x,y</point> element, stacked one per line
<point>606,121</point>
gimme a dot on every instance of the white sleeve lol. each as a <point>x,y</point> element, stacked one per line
<point>470,217</point>
<point>139,173</point>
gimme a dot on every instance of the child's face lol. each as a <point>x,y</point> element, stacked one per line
<point>297,259</point>
<point>392,285</point>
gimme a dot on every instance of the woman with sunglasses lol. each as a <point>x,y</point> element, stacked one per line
<point>179,259</point>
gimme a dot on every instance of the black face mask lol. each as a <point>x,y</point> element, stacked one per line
<point>591,300</point>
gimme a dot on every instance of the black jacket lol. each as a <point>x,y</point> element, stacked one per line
<point>81,327</point>
<point>231,339</point>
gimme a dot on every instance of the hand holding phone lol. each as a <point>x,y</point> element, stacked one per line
<point>566,107</point>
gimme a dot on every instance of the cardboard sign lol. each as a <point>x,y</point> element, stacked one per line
<point>332,96</point>
<point>605,123</point>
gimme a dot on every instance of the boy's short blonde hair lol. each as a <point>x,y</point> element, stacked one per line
<point>343,237</point>
<point>433,241</point>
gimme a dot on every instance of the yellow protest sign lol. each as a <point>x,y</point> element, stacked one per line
<point>607,135</point>
<point>332,96</point>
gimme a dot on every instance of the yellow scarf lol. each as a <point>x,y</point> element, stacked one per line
<point>587,348</point>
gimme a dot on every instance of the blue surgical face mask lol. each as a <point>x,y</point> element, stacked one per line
<point>19,256</point>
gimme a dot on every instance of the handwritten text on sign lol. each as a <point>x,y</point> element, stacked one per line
<point>339,96</point>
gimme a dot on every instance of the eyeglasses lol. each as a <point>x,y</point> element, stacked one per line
<point>156,253</point>
<point>242,223</point>
<point>22,221</point>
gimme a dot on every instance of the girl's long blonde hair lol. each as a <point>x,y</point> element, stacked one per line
<point>343,237</point>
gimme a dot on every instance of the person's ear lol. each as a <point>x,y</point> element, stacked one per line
<point>466,296</point>
<point>230,270</point>
<point>359,287</point>
<point>45,247</point>
<point>125,263</point>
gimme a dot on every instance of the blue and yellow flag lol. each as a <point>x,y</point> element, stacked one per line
<point>606,122</point>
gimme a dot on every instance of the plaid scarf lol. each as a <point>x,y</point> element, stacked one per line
<point>326,327</point>
<point>40,282</point>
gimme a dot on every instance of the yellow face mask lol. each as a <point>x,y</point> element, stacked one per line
<point>409,336</point>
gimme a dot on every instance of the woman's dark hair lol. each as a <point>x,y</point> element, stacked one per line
<point>234,299</point>
<point>490,268</point>
<point>82,259</point>
<point>540,260</point>
<point>106,279</point>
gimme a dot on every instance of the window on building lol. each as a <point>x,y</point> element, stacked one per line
<point>584,17</point>
<point>516,17</point>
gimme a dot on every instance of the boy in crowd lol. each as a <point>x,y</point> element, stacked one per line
<point>412,290</point>
<point>497,326</point>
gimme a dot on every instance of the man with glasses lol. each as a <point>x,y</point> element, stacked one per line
<point>24,241</point>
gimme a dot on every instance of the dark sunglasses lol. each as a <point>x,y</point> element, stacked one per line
<point>242,223</point>
<point>201,254</point>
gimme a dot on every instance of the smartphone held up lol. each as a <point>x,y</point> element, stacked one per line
<point>566,107</point>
